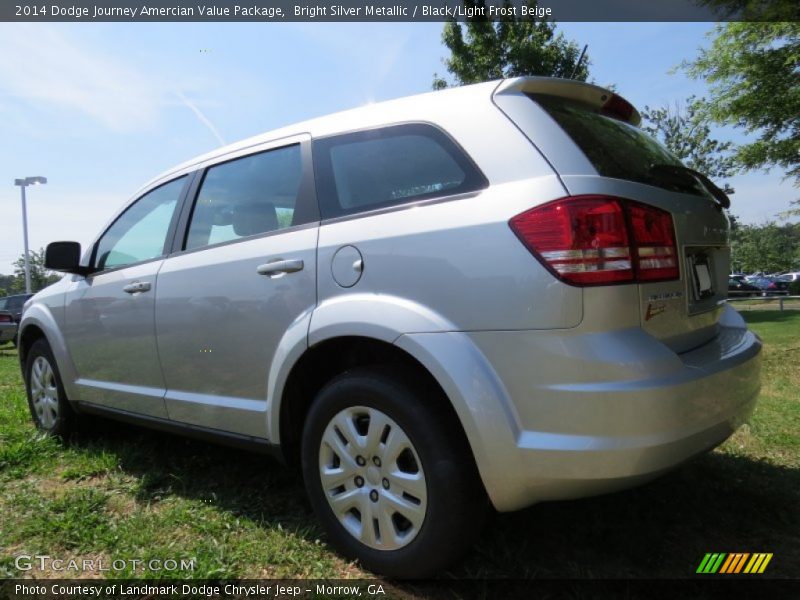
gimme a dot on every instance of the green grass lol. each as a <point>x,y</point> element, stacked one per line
<point>121,492</point>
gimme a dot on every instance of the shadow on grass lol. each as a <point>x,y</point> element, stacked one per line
<point>246,484</point>
<point>8,350</point>
<point>717,503</point>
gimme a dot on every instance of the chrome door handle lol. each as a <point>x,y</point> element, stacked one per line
<point>137,287</point>
<point>278,267</point>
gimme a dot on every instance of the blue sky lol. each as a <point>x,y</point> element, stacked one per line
<point>100,109</point>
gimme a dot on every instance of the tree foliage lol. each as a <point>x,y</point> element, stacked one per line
<point>688,137</point>
<point>6,282</point>
<point>40,276</point>
<point>482,50</point>
<point>767,248</point>
<point>752,70</point>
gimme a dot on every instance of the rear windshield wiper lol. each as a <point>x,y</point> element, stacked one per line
<point>680,172</point>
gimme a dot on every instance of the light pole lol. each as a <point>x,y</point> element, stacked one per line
<point>23,183</point>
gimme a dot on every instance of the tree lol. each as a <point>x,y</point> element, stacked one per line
<point>40,276</point>
<point>689,138</point>
<point>481,50</point>
<point>6,282</point>
<point>752,70</point>
<point>767,248</point>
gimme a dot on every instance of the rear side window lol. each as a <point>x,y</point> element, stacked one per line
<point>247,196</point>
<point>616,149</point>
<point>379,168</point>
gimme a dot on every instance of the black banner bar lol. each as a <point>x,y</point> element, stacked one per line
<point>397,10</point>
<point>378,589</point>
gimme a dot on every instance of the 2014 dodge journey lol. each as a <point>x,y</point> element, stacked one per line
<point>485,296</point>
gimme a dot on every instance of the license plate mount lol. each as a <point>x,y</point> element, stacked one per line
<point>703,285</point>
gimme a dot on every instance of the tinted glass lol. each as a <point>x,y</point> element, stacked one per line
<point>141,232</point>
<point>247,196</point>
<point>615,148</point>
<point>378,168</point>
<point>13,303</point>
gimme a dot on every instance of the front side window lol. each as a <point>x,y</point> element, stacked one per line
<point>141,232</point>
<point>378,168</point>
<point>247,196</point>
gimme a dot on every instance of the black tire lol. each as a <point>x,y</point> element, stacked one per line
<point>456,505</point>
<point>58,419</point>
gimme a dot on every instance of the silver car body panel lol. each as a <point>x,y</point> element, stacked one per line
<point>45,311</point>
<point>561,391</point>
<point>466,243</point>
<point>111,337</point>
<point>603,410</point>
<point>219,323</point>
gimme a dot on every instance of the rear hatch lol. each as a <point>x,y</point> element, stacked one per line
<point>591,138</point>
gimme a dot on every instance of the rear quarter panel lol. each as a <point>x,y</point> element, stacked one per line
<point>457,257</point>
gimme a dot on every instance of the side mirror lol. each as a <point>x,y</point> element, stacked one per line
<point>65,257</point>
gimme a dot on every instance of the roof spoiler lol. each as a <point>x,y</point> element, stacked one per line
<point>605,101</point>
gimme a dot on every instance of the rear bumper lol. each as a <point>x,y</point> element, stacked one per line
<point>593,413</point>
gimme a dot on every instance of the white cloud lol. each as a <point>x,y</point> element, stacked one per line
<point>46,70</point>
<point>40,65</point>
<point>201,117</point>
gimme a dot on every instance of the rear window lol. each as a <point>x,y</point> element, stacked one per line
<point>616,149</point>
<point>13,303</point>
<point>379,168</point>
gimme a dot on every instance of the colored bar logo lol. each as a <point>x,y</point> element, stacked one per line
<point>734,563</point>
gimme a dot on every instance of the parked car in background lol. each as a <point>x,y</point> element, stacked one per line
<point>770,286</point>
<point>491,295</point>
<point>738,288</point>
<point>790,277</point>
<point>14,304</point>
<point>8,327</point>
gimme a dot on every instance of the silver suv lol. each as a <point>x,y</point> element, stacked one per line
<point>482,297</point>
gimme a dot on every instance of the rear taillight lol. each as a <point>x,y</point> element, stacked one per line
<point>584,240</point>
<point>5,319</point>
<point>654,242</point>
<point>599,240</point>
